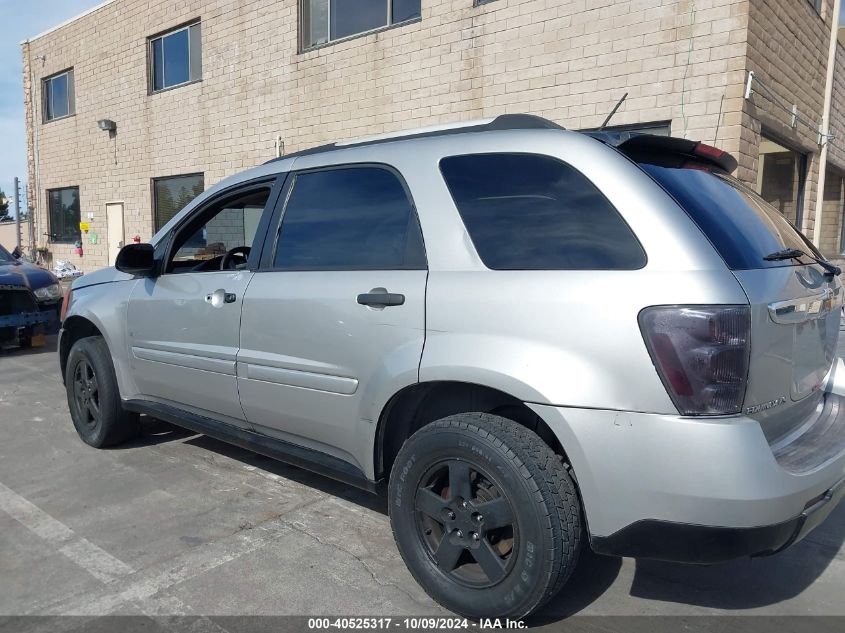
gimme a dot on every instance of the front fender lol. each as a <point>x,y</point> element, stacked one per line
<point>105,306</point>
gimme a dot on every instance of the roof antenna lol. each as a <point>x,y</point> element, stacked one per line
<point>612,112</point>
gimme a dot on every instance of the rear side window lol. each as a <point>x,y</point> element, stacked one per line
<point>532,212</point>
<point>742,226</point>
<point>351,218</point>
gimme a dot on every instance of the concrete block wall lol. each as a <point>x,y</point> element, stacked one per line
<point>788,44</point>
<point>681,61</point>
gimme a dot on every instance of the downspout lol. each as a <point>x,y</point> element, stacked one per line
<point>824,130</point>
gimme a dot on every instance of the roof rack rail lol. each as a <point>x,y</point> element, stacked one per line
<point>501,122</point>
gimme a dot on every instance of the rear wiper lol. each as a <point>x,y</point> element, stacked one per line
<point>795,253</point>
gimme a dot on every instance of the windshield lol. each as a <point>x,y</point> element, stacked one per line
<point>742,226</point>
<point>5,256</point>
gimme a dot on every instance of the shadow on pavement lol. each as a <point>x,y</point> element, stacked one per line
<point>593,575</point>
<point>745,583</point>
<point>158,432</point>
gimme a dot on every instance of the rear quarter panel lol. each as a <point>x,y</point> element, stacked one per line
<point>568,338</point>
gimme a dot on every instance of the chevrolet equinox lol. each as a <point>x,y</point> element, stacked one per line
<point>535,340</point>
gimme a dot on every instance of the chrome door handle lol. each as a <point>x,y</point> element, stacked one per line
<point>219,297</point>
<point>380,298</point>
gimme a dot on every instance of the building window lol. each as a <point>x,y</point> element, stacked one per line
<point>781,176</point>
<point>324,21</point>
<point>63,209</point>
<point>59,97</point>
<point>176,58</point>
<point>170,195</point>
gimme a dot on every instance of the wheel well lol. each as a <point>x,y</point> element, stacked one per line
<point>74,328</point>
<point>417,405</point>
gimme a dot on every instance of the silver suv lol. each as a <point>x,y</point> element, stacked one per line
<point>538,340</point>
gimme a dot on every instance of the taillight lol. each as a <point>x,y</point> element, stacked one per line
<point>65,304</point>
<point>708,151</point>
<point>701,354</point>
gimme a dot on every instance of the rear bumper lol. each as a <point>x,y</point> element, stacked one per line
<point>699,490</point>
<point>702,544</point>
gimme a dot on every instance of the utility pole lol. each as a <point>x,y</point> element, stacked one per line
<point>18,212</point>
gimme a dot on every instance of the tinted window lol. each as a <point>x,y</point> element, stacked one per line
<point>529,212</point>
<point>325,20</point>
<point>348,18</point>
<point>742,226</point>
<point>63,208</point>
<point>349,219</point>
<point>170,195</point>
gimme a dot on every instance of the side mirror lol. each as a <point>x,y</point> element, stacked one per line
<point>136,259</point>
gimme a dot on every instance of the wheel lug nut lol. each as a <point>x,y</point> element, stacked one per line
<point>464,505</point>
<point>451,515</point>
<point>478,518</point>
<point>475,536</point>
<point>459,534</point>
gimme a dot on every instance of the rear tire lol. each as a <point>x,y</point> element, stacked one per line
<point>485,515</point>
<point>93,396</point>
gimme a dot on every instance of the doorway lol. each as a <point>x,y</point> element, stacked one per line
<point>114,220</point>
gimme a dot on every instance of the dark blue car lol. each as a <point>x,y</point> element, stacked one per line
<point>30,299</point>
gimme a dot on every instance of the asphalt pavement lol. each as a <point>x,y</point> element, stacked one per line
<point>180,524</point>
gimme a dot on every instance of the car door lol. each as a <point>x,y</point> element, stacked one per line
<point>334,318</point>
<point>183,325</point>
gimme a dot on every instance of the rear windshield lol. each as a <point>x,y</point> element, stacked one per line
<point>532,212</point>
<point>742,226</point>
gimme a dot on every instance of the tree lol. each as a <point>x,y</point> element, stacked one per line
<point>4,207</point>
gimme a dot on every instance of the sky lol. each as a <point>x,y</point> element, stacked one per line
<point>23,19</point>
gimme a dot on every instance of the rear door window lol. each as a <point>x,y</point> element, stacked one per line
<point>742,226</point>
<point>349,218</point>
<point>534,212</point>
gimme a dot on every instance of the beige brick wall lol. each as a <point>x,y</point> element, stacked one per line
<point>836,151</point>
<point>788,44</point>
<point>569,60</point>
<point>832,213</point>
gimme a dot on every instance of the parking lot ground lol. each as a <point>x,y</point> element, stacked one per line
<point>180,524</point>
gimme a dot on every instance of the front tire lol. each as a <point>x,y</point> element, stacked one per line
<point>485,515</point>
<point>93,396</point>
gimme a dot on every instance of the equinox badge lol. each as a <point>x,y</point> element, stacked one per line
<point>771,404</point>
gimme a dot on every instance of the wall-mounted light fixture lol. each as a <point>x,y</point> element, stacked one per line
<point>107,125</point>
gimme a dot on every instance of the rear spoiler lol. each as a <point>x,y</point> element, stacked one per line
<point>635,145</point>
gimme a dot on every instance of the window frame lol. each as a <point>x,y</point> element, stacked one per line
<point>275,182</point>
<point>156,179</point>
<point>46,94</point>
<point>51,237</point>
<point>187,26</point>
<point>303,48</point>
<point>271,241</point>
<point>803,167</point>
<point>565,163</point>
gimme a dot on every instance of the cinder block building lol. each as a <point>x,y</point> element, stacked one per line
<point>137,105</point>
